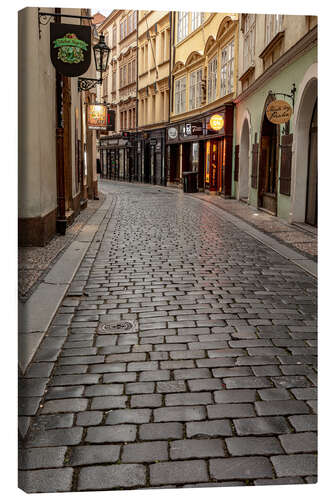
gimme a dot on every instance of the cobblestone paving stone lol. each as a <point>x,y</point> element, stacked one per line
<point>214,385</point>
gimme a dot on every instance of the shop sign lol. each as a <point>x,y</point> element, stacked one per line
<point>111,117</point>
<point>70,48</point>
<point>279,112</point>
<point>172,133</point>
<point>97,116</point>
<point>196,129</point>
<point>153,142</point>
<point>188,129</point>
<point>216,122</point>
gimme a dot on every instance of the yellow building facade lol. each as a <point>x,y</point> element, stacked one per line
<point>153,68</point>
<point>204,82</point>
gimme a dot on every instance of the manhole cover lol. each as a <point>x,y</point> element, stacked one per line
<point>128,326</point>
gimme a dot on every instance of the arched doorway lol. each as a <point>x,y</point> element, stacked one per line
<point>244,162</point>
<point>268,164</point>
<point>304,116</point>
<point>311,215</point>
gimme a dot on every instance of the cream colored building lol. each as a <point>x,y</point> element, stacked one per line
<point>153,68</point>
<point>56,159</point>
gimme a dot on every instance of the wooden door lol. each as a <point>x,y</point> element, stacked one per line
<point>312,183</point>
<point>213,166</point>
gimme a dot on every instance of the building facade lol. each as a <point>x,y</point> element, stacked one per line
<point>119,90</point>
<point>57,159</point>
<point>204,76</point>
<point>154,44</point>
<point>276,164</point>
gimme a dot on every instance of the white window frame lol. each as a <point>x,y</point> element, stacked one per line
<point>180,95</point>
<point>195,92</point>
<point>182,25</point>
<point>212,79</point>
<point>273,25</point>
<point>249,40</point>
<point>227,69</point>
<point>197,19</point>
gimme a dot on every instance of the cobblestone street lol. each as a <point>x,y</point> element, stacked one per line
<point>183,354</point>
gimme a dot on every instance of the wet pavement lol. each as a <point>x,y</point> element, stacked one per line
<point>183,354</point>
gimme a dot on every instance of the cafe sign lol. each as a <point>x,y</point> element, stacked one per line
<point>278,112</point>
<point>216,122</point>
<point>70,48</point>
<point>97,116</point>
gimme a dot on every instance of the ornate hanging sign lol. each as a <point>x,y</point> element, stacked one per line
<point>97,116</point>
<point>70,46</point>
<point>278,112</point>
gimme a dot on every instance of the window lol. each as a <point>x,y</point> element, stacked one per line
<point>134,70</point>
<point>114,36</point>
<point>129,72</point>
<point>197,19</point>
<point>130,23</point>
<point>195,89</point>
<point>212,79</point>
<point>114,76</point>
<point>121,31</point>
<point>182,28</point>
<point>227,69</point>
<point>249,40</point>
<point>273,26</point>
<point>135,16</point>
<point>180,95</point>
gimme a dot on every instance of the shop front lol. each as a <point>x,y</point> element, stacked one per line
<point>118,158</point>
<point>150,153</point>
<point>204,145</point>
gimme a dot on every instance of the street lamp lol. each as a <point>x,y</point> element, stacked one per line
<point>101,56</point>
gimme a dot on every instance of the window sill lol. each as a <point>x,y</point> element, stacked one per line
<point>247,73</point>
<point>272,44</point>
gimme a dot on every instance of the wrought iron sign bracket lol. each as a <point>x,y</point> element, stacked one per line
<point>290,96</point>
<point>45,17</point>
<point>88,83</point>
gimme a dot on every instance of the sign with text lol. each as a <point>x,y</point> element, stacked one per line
<point>70,48</point>
<point>97,116</point>
<point>279,112</point>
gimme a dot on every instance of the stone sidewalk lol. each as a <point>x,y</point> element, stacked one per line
<point>183,354</point>
<point>35,262</point>
<point>301,237</point>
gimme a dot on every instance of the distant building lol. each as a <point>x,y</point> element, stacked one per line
<point>119,90</point>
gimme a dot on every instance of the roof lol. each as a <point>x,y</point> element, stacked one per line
<point>98,18</point>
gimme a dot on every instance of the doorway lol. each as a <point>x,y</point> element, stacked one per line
<point>211,165</point>
<point>311,215</point>
<point>268,166</point>
<point>243,193</point>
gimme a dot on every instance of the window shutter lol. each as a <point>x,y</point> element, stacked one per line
<point>285,170</point>
<point>236,163</point>
<point>254,175</point>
